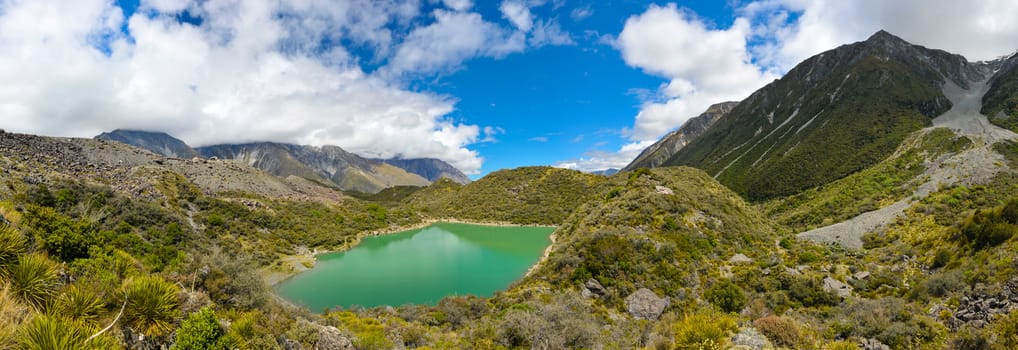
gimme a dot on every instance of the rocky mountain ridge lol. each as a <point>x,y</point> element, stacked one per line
<point>663,149</point>
<point>330,165</point>
<point>833,114</point>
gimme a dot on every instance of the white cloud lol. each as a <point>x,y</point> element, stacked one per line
<point>597,160</point>
<point>518,14</point>
<point>538,139</point>
<point>979,30</point>
<point>453,38</point>
<point>252,71</point>
<point>581,13</point>
<point>549,33</point>
<point>458,5</point>
<point>705,66</point>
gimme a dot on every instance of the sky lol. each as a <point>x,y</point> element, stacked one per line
<point>483,85</point>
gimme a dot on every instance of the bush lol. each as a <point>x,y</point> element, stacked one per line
<point>940,259</point>
<point>939,285</point>
<point>12,246</point>
<point>152,305</point>
<point>782,331</point>
<point>727,296</point>
<point>33,279</point>
<point>202,331</point>
<point>810,292</point>
<point>80,303</point>
<point>52,332</point>
<point>704,330</point>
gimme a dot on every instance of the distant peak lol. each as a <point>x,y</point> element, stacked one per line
<point>884,36</point>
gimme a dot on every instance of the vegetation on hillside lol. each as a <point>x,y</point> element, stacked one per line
<point>878,186</point>
<point>1000,104</point>
<point>831,116</point>
<point>527,195</point>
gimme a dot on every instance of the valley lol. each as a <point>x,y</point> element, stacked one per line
<point>862,201</point>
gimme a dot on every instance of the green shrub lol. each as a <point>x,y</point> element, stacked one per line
<point>782,331</point>
<point>704,330</point>
<point>152,305</point>
<point>46,332</point>
<point>810,292</point>
<point>201,331</point>
<point>940,259</point>
<point>80,303</point>
<point>33,279</point>
<point>727,296</point>
<point>12,246</point>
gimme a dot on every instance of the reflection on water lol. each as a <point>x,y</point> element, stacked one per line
<point>420,266</point>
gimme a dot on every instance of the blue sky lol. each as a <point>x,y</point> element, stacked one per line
<point>483,85</point>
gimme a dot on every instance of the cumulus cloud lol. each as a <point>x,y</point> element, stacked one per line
<point>704,66</point>
<point>453,38</point>
<point>249,71</point>
<point>518,14</point>
<point>978,30</point>
<point>597,160</point>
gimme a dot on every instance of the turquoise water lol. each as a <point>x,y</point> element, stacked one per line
<point>419,266</point>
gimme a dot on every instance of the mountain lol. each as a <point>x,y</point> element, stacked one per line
<point>157,142</point>
<point>428,168</point>
<point>1000,104</point>
<point>606,172</point>
<point>325,164</point>
<point>660,151</point>
<point>835,113</point>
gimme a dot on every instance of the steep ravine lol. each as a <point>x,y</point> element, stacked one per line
<point>977,164</point>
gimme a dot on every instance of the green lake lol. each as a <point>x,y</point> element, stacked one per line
<point>420,266</point>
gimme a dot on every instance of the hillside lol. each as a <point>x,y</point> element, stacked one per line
<point>326,164</point>
<point>527,195</point>
<point>667,146</point>
<point>1000,103</point>
<point>156,142</point>
<point>833,114</point>
<point>429,168</point>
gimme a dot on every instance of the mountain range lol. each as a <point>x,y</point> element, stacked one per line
<point>834,114</point>
<point>330,165</point>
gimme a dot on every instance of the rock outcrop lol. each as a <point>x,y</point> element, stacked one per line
<point>646,305</point>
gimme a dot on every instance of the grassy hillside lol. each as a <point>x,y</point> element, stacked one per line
<point>880,185</point>
<point>832,115</point>
<point>1000,104</point>
<point>528,195</point>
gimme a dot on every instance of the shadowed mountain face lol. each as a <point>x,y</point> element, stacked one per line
<point>428,168</point>
<point>834,114</point>
<point>156,142</point>
<point>660,151</point>
<point>1000,104</point>
<point>329,164</point>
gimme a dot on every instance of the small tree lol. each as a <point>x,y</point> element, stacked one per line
<point>727,296</point>
<point>201,331</point>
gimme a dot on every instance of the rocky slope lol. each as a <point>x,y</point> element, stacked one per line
<point>663,149</point>
<point>156,142</point>
<point>136,172</point>
<point>326,164</point>
<point>429,168</point>
<point>834,114</point>
<point>1000,103</point>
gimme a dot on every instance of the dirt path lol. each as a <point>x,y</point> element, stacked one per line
<point>978,164</point>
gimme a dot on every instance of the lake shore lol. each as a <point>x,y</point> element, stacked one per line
<point>291,265</point>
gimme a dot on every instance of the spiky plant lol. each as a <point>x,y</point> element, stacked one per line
<point>12,314</point>
<point>33,279</point>
<point>152,305</point>
<point>80,303</point>
<point>12,245</point>
<point>45,332</point>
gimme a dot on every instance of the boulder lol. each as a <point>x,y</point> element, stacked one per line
<point>329,338</point>
<point>861,275</point>
<point>663,190</point>
<point>750,339</point>
<point>833,285</point>
<point>644,304</point>
<point>593,288</point>
<point>740,259</point>
<point>873,344</point>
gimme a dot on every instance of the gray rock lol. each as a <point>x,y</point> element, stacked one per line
<point>861,275</point>
<point>290,344</point>
<point>873,344</point>
<point>750,339</point>
<point>329,338</point>
<point>593,288</point>
<point>663,190</point>
<point>833,285</point>
<point>644,304</point>
<point>740,259</point>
